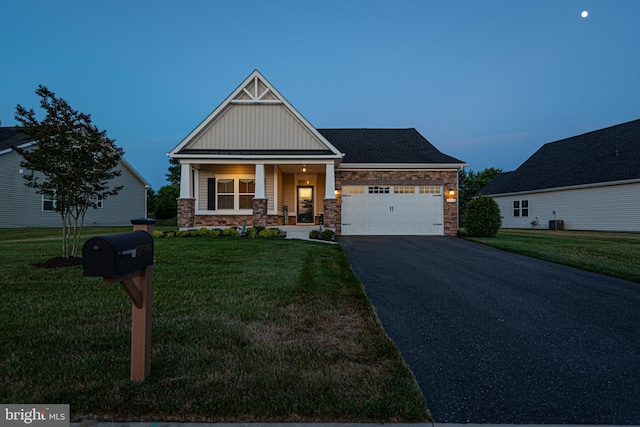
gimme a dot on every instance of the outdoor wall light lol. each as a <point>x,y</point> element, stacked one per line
<point>304,169</point>
<point>336,192</point>
<point>452,192</point>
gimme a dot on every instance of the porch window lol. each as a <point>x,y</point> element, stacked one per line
<point>225,193</point>
<point>230,193</point>
<point>247,193</point>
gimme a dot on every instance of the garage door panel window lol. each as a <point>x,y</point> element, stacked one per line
<point>404,189</point>
<point>378,189</point>
<point>430,189</point>
<point>353,189</point>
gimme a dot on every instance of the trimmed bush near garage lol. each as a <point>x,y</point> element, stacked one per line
<point>328,235</point>
<point>481,217</point>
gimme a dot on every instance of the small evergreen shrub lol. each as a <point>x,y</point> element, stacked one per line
<point>269,233</point>
<point>481,217</point>
<point>314,234</point>
<point>328,235</point>
<point>158,234</point>
<point>203,232</point>
<point>231,232</point>
<point>252,232</point>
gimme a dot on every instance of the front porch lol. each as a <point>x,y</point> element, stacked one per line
<point>268,194</point>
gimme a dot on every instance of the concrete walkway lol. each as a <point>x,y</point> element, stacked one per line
<point>301,232</point>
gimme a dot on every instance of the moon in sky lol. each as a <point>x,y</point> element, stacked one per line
<point>584,14</point>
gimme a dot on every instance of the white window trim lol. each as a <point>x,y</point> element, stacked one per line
<point>520,208</point>
<point>52,200</point>
<point>236,197</point>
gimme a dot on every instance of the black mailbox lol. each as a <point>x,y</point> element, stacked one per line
<point>117,254</point>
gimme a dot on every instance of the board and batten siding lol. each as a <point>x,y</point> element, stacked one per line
<point>257,127</point>
<point>604,208</point>
<point>21,206</point>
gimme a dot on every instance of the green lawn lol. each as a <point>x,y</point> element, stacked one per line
<point>613,254</point>
<point>243,330</point>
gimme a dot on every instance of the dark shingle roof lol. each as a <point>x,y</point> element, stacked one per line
<point>385,146</point>
<point>605,155</point>
<point>10,136</point>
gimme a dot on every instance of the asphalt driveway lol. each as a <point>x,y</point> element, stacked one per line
<point>494,337</point>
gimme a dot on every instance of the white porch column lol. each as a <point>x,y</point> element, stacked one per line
<point>330,182</point>
<point>185,181</point>
<point>260,190</point>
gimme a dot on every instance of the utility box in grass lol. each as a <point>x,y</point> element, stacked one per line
<point>556,224</point>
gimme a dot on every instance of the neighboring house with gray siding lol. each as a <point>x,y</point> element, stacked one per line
<point>589,182</point>
<point>22,206</point>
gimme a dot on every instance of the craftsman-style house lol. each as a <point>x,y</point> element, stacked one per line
<point>256,160</point>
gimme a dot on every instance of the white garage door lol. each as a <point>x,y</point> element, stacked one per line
<point>392,209</point>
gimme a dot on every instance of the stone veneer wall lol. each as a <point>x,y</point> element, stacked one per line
<point>235,220</point>
<point>447,178</point>
<point>223,220</point>
<point>260,209</point>
<point>330,213</point>
<point>186,213</point>
<point>188,219</point>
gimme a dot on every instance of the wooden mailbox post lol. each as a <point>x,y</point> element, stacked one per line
<point>137,282</point>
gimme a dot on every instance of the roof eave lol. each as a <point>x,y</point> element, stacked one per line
<point>256,156</point>
<point>568,187</point>
<point>400,166</point>
<point>24,145</point>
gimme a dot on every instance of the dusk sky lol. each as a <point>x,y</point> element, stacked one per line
<point>488,82</point>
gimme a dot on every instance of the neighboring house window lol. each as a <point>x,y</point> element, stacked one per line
<point>520,208</point>
<point>225,193</point>
<point>48,202</point>
<point>247,192</point>
<point>99,202</point>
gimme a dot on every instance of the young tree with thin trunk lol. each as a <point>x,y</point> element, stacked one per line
<point>72,161</point>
